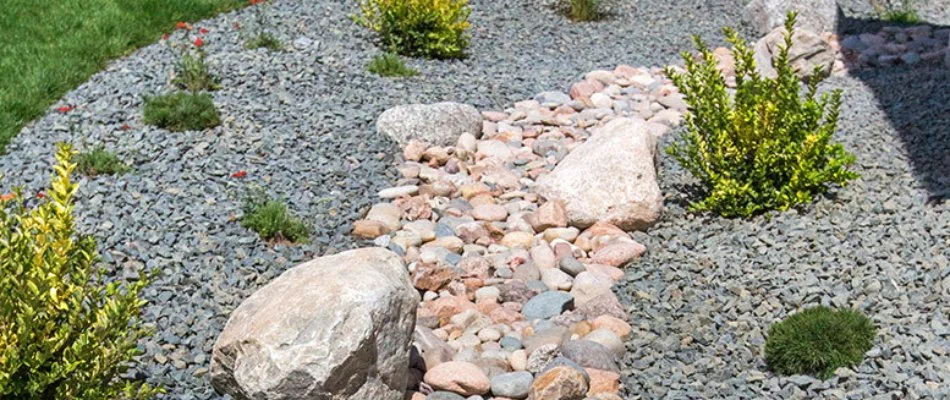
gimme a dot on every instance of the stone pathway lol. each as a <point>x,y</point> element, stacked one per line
<point>517,300</point>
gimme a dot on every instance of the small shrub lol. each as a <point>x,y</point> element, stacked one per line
<point>101,162</point>
<point>390,65</point>
<point>271,220</point>
<point>419,28</point>
<point>261,37</point>
<point>181,111</point>
<point>65,332</point>
<point>764,148</point>
<point>582,10</point>
<point>264,40</point>
<point>817,341</point>
<point>192,72</point>
<point>904,14</point>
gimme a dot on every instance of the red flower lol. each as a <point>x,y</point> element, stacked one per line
<point>40,195</point>
<point>125,127</point>
<point>199,42</point>
<point>256,2</point>
<point>64,109</point>
<point>165,36</point>
<point>183,25</point>
<point>240,174</point>
<point>7,197</point>
<point>202,31</point>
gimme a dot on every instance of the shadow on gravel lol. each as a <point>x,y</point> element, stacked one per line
<point>916,101</point>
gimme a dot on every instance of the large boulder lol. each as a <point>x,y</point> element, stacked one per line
<point>337,327</point>
<point>808,51</point>
<point>438,124</point>
<point>814,15</point>
<point>610,178</point>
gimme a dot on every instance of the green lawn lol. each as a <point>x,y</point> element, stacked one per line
<point>48,47</point>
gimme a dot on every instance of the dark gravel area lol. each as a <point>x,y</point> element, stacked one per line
<point>300,122</point>
<point>703,297</point>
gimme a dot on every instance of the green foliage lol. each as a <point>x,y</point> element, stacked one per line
<point>41,61</point>
<point>904,14</point>
<point>265,40</point>
<point>181,111</point>
<point>261,37</point>
<point>99,161</point>
<point>419,28</point>
<point>583,10</point>
<point>764,148</point>
<point>817,341</point>
<point>390,65</point>
<point>65,331</point>
<point>271,219</point>
<point>192,72</point>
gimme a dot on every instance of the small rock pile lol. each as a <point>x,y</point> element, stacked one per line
<point>515,236</point>
<point>893,45</point>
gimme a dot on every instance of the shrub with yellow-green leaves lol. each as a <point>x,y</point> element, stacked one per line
<point>765,147</point>
<point>65,331</point>
<point>419,28</point>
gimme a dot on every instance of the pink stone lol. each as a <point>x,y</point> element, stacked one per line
<point>583,89</point>
<point>490,212</point>
<point>459,377</point>
<point>618,253</point>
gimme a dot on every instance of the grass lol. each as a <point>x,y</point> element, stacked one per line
<point>271,219</point>
<point>817,341</point>
<point>181,111</point>
<point>265,40</point>
<point>390,65</point>
<point>49,47</point>
<point>904,14</point>
<point>99,161</point>
<point>584,10</point>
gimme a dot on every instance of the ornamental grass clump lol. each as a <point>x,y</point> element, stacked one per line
<point>817,341</point>
<point>419,28</point>
<point>271,219</point>
<point>100,161</point>
<point>390,65</point>
<point>582,10</point>
<point>67,331</point>
<point>181,111</point>
<point>768,146</point>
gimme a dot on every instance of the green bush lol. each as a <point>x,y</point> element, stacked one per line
<point>419,28</point>
<point>763,148</point>
<point>101,162</point>
<point>65,332</point>
<point>181,111</point>
<point>817,341</point>
<point>390,65</point>
<point>271,220</point>
<point>582,10</point>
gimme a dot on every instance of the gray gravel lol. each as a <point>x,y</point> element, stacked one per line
<point>703,297</point>
<point>300,122</point>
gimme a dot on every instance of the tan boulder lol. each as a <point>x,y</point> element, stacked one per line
<point>321,331</point>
